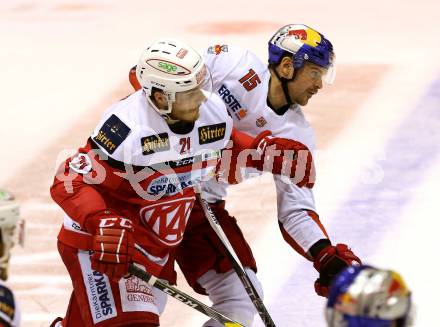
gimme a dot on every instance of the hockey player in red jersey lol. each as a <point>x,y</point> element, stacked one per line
<point>260,97</point>
<point>129,191</point>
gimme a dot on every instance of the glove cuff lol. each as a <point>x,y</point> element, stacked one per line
<point>318,247</point>
<point>93,221</point>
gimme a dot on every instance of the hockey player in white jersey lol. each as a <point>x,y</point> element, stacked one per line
<point>129,192</point>
<point>10,228</point>
<point>263,97</point>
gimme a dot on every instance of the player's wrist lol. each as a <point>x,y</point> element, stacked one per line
<point>317,247</point>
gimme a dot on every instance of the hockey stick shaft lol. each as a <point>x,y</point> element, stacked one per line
<point>238,267</point>
<point>182,297</point>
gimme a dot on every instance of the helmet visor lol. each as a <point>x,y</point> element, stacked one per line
<point>327,73</point>
<point>329,77</point>
<point>194,97</point>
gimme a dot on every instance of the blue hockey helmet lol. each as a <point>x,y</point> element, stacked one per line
<point>306,45</point>
<point>363,296</point>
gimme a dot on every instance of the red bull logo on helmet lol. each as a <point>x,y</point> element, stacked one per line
<point>397,285</point>
<point>299,34</point>
<point>306,35</point>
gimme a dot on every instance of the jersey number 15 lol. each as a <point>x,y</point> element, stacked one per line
<point>250,80</point>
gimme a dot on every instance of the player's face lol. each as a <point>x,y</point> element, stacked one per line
<point>187,105</point>
<point>307,82</point>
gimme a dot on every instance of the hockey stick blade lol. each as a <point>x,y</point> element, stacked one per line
<point>238,267</point>
<point>183,297</point>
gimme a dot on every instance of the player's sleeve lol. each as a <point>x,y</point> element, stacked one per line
<point>299,223</point>
<point>83,180</point>
<point>221,61</point>
<point>80,183</point>
<point>241,140</point>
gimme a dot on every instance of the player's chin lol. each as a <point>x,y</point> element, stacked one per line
<point>191,116</point>
<point>303,101</point>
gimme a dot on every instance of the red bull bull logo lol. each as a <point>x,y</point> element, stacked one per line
<point>217,49</point>
<point>307,36</point>
<point>299,34</point>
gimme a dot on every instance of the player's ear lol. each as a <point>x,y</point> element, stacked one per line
<point>159,98</point>
<point>285,67</point>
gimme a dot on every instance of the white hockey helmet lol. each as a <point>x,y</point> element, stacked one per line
<point>171,66</point>
<point>9,219</point>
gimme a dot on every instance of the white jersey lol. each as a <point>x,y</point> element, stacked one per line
<point>9,308</point>
<point>146,139</point>
<point>242,81</point>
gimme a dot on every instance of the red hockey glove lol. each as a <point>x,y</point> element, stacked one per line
<point>329,262</point>
<point>296,157</point>
<point>113,244</point>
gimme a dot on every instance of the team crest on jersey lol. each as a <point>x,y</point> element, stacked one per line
<point>81,163</point>
<point>212,133</point>
<point>217,49</point>
<point>260,122</point>
<point>112,134</point>
<point>168,219</point>
<point>155,143</point>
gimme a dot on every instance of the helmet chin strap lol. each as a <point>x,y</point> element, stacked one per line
<point>169,120</point>
<point>165,115</point>
<point>284,85</point>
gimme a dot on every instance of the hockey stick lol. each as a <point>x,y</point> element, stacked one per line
<point>182,297</point>
<point>238,267</point>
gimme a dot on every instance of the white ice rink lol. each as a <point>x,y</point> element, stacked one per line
<point>378,173</point>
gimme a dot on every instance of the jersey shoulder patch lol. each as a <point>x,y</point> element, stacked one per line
<point>226,56</point>
<point>7,304</point>
<point>112,133</point>
<point>217,49</point>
